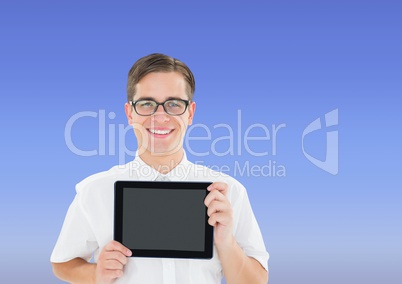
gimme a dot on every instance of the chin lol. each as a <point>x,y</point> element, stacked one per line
<point>158,151</point>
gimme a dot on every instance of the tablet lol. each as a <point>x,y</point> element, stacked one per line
<point>163,219</point>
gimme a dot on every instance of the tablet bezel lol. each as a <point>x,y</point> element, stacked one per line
<point>119,187</point>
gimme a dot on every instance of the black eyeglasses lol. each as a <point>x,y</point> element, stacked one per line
<point>149,107</point>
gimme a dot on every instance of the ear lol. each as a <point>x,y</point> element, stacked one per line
<point>191,112</point>
<point>129,112</point>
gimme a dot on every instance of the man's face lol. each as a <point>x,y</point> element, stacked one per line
<point>160,134</point>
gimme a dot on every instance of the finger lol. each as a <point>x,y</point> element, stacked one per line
<point>214,195</point>
<point>221,186</point>
<point>112,264</point>
<point>111,273</point>
<point>217,206</point>
<point>116,246</point>
<point>219,218</point>
<point>116,255</point>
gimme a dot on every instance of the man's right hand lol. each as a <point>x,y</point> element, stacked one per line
<point>111,262</point>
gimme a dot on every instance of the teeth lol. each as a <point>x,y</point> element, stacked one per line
<point>163,132</point>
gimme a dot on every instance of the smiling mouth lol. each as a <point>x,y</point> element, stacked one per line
<point>160,132</point>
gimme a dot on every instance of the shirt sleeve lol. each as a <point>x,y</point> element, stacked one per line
<point>76,238</point>
<point>247,231</point>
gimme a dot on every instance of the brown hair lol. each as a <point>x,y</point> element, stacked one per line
<point>158,62</point>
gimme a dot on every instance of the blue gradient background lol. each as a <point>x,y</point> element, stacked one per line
<point>276,61</point>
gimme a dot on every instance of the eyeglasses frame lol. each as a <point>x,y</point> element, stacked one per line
<point>186,102</point>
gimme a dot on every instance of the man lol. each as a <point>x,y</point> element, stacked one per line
<point>160,106</point>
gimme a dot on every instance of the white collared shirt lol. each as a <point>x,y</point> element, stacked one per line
<point>88,225</point>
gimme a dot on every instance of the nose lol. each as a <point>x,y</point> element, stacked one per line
<point>160,109</point>
<point>160,115</point>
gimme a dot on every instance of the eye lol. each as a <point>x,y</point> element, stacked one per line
<point>146,104</point>
<point>174,104</point>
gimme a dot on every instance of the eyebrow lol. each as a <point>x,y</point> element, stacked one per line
<point>153,99</point>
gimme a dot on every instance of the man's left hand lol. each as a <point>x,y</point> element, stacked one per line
<point>220,213</point>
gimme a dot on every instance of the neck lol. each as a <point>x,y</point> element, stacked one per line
<point>162,163</point>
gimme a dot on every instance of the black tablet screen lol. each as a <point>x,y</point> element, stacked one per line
<point>163,219</point>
